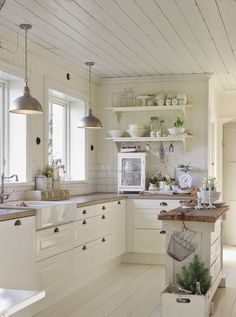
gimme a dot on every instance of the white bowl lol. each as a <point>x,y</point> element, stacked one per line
<point>135,126</point>
<point>137,133</point>
<point>176,131</point>
<point>116,133</point>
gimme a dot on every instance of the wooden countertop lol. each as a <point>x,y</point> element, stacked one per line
<point>190,214</point>
<point>8,213</point>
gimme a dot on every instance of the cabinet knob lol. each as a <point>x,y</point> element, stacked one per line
<point>103,217</point>
<point>56,230</point>
<point>17,222</point>
<point>103,240</point>
<point>162,232</point>
<point>163,203</point>
<point>119,202</point>
<point>163,211</point>
<point>84,247</point>
<point>84,212</point>
<point>103,208</point>
<point>84,222</point>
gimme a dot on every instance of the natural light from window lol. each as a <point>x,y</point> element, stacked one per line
<point>66,142</point>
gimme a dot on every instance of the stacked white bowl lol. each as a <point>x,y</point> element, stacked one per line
<point>136,130</point>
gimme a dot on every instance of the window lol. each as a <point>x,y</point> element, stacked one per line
<point>13,130</point>
<point>66,142</point>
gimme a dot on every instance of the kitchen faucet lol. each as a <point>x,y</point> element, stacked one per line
<point>4,195</point>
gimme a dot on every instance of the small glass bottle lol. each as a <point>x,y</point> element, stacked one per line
<point>163,128</point>
<point>198,289</point>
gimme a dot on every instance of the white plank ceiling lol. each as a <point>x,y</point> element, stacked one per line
<point>130,38</point>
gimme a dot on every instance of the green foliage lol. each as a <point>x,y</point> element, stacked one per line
<point>178,123</point>
<point>195,272</point>
<point>48,171</point>
<point>152,180</point>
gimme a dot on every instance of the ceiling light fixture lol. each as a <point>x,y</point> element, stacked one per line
<point>90,121</point>
<point>26,104</point>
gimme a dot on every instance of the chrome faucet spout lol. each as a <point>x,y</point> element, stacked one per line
<point>4,195</point>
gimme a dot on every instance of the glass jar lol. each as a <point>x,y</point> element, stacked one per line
<point>154,126</point>
<point>130,96</point>
<point>163,128</point>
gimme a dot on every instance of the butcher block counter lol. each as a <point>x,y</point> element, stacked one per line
<point>8,213</point>
<point>191,214</point>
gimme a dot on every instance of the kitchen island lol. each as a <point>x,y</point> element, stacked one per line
<point>191,232</point>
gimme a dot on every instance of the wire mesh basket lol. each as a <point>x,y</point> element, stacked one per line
<point>180,245</point>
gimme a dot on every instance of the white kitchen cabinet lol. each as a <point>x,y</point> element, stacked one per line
<point>17,253</point>
<point>55,240</point>
<point>132,168</point>
<point>118,225</point>
<point>56,271</point>
<point>148,236</point>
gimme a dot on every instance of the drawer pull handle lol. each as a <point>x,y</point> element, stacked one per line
<point>103,208</point>
<point>162,232</point>
<point>103,240</point>
<point>163,211</point>
<point>119,203</point>
<point>17,223</point>
<point>84,222</point>
<point>163,203</point>
<point>183,300</point>
<point>56,230</point>
<point>84,247</point>
<point>103,217</point>
<point>84,212</point>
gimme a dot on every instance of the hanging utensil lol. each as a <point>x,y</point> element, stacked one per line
<point>171,148</point>
<point>162,153</point>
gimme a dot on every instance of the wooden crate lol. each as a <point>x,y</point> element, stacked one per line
<point>184,305</point>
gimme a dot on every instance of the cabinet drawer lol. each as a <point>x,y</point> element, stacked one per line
<point>84,212</point>
<point>155,204</point>
<point>149,241</point>
<point>84,230</point>
<point>103,224</point>
<point>54,240</point>
<point>56,271</point>
<point>91,254</point>
<point>146,219</point>
<point>18,223</point>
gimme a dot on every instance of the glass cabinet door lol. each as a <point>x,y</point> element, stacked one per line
<point>131,172</point>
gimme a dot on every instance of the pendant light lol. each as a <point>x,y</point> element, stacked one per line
<point>26,104</point>
<point>90,121</point>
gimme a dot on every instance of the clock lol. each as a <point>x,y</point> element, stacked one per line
<point>185,181</point>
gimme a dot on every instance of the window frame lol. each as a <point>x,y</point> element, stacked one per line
<point>51,85</point>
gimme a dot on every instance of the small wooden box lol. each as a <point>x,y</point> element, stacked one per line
<point>184,305</point>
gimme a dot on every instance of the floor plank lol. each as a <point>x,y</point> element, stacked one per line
<point>133,290</point>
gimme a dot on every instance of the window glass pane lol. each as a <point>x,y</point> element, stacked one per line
<point>57,133</point>
<point>77,142</point>
<point>66,142</point>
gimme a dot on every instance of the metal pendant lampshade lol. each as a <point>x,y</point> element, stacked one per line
<point>26,104</point>
<point>90,121</point>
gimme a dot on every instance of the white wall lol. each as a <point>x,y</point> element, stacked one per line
<point>41,73</point>
<point>196,122</point>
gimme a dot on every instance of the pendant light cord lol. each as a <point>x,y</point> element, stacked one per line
<point>90,93</point>
<point>26,78</point>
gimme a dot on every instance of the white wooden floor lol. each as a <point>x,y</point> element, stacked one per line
<point>132,290</point>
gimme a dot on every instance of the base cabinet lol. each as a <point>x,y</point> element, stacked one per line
<point>148,235</point>
<point>17,268</point>
<point>118,228</point>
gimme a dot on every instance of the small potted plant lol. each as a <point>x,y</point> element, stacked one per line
<point>48,172</point>
<point>152,180</point>
<point>178,127</point>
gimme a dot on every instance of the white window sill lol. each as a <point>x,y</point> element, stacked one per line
<point>18,184</point>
